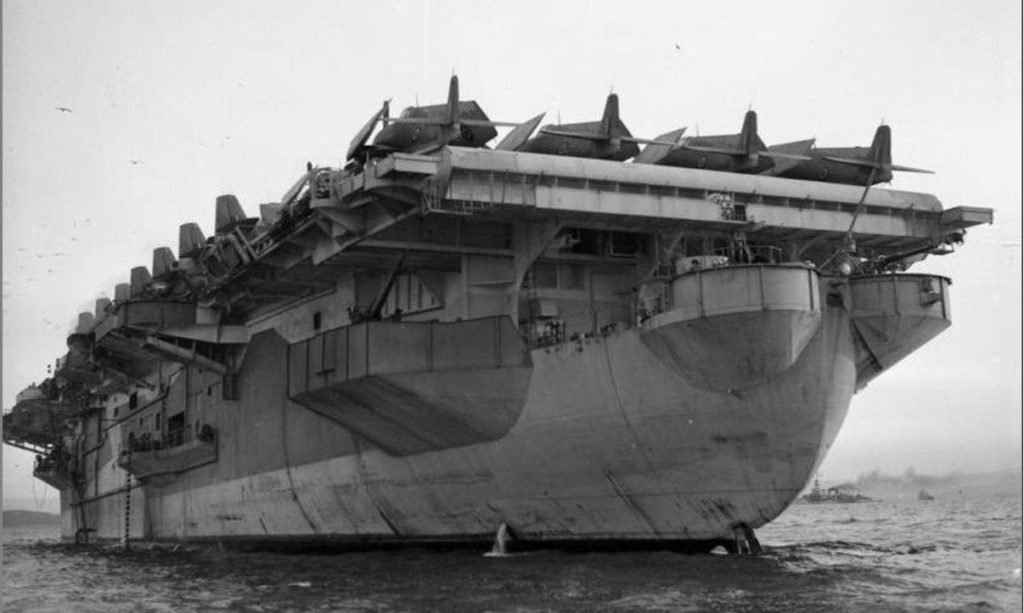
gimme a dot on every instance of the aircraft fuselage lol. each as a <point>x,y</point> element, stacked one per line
<point>557,144</point>
<point>822,169</point>
<point>412,137</point>
<point>687,158</point>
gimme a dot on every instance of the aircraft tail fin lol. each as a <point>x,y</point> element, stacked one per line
<point>163,262</point>
<point>453,101</point>
<point>140,280</point>
<point>881,147</point>
<point>228,213</point>
<point>749,140</point>
<point>881,152</point>
<point>190,239</point>
<point>748,144</point>
<point>610,124</point>
<point>879,157</point>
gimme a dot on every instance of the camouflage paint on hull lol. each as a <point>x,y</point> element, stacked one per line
<point>612,443</point>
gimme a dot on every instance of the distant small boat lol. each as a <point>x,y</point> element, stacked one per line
<point>924,495</point>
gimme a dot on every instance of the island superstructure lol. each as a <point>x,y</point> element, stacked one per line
<point>422,346</point>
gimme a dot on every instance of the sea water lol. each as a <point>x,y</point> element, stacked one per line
<point>890,555</point>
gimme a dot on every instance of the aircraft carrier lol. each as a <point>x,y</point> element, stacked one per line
<point>440,338</point>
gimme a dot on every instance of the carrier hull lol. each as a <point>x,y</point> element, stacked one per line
<point>423,348</point>
<point>611,444</point>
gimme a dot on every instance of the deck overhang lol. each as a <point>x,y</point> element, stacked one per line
<point>642,196</point>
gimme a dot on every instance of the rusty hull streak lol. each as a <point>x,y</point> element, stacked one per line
<point>379,503</point>
<point>288,470</point>
<point>633,506</point>
<point>753,437</point>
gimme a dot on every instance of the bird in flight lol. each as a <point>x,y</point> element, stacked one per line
<point>135,162</point>
<point>63,109</point>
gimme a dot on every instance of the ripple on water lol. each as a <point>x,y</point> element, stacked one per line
<point>889,558</point>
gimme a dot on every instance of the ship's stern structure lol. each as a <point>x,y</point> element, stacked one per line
<point>421,348</point>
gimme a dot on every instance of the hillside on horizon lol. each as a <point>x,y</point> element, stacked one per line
<point>1006,482</point>
<point>48,505</point>
<point>20,519</point>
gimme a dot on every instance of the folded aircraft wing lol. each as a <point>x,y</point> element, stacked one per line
<point>604,137</point>
<point>571,134</point>
<point>788,155</point>
<point>359,140</point>
<point>515,139</point>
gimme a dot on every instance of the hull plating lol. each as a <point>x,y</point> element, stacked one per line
<point>611,443</point>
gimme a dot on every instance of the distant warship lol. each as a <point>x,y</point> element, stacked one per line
<point>839,493</point>
<point>440,339</point>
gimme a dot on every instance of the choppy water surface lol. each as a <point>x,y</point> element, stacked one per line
<point>893,555</point>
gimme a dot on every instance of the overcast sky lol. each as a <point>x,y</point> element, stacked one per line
<point>173,103</point>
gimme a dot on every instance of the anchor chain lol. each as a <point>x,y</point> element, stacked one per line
<point>128,503</point>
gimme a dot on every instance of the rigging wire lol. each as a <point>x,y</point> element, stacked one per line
<point>848,237</point>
